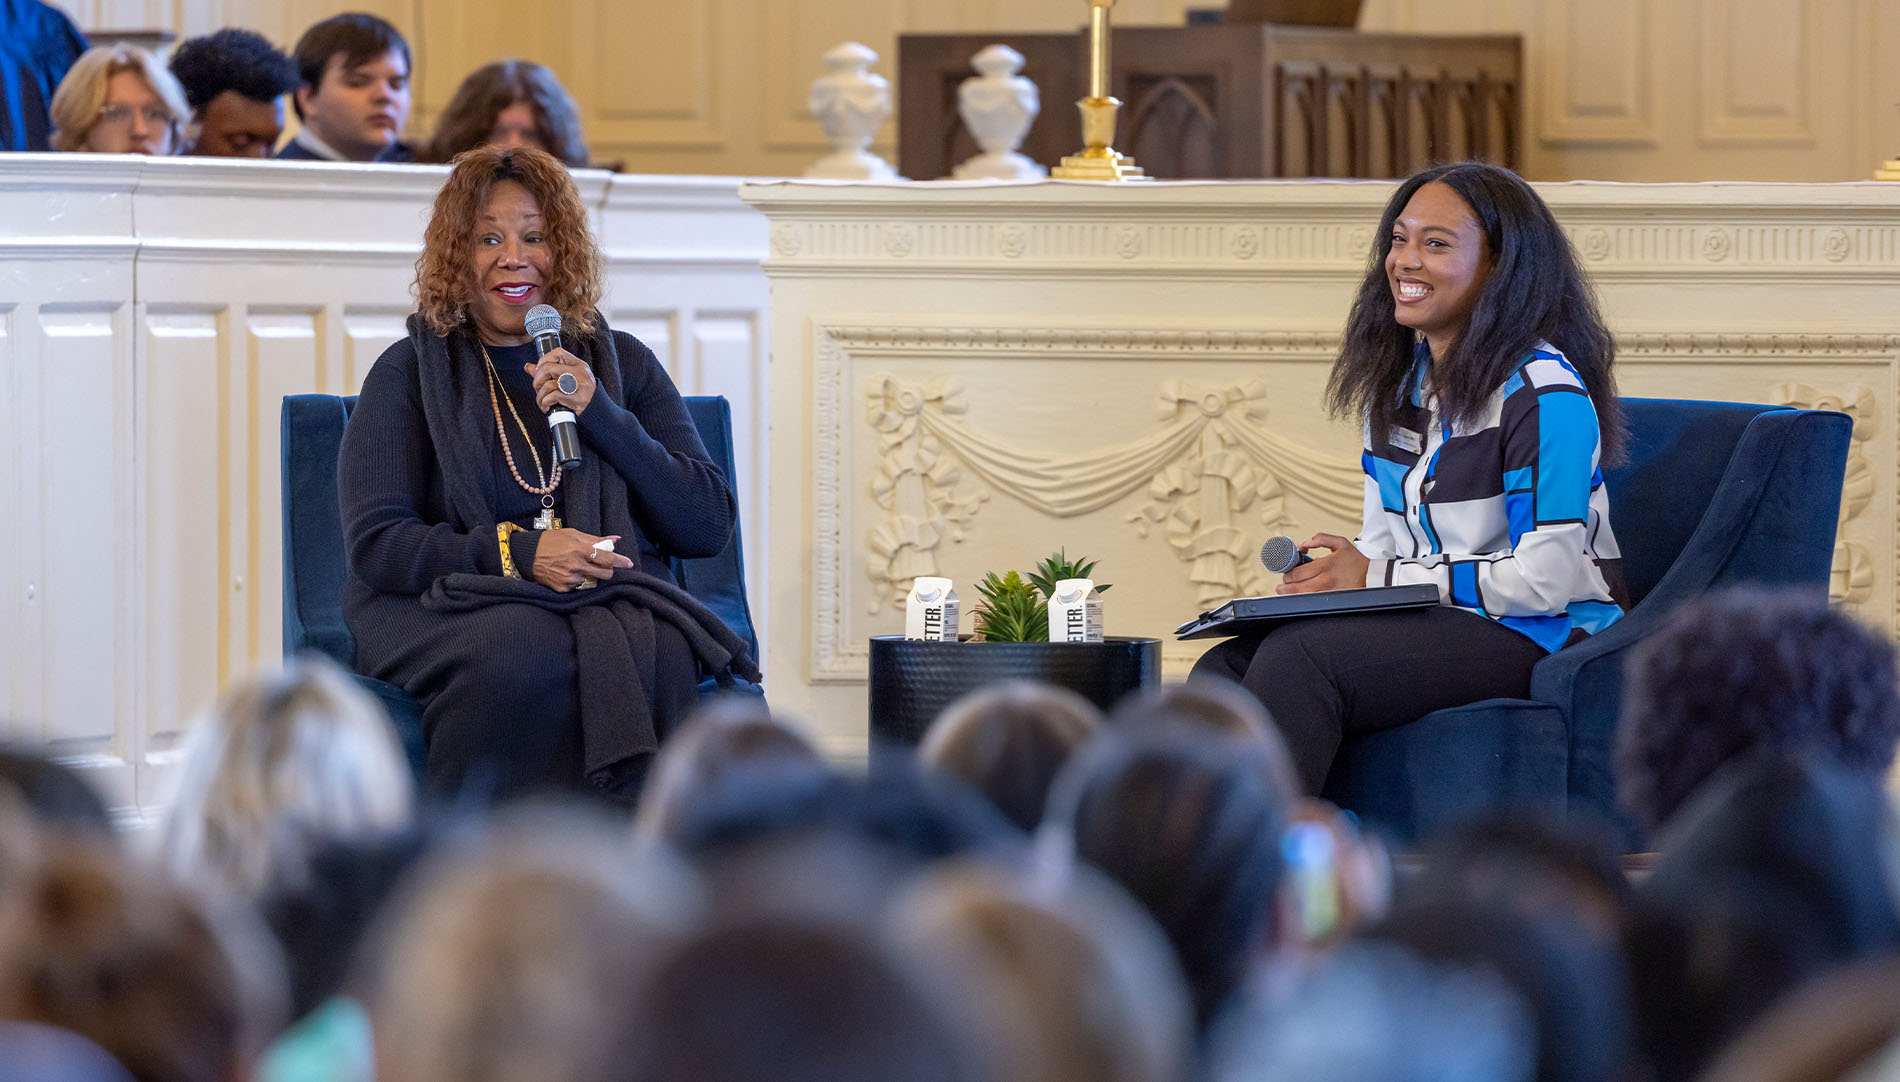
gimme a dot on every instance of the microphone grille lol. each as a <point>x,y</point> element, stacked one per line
<point>543,319</point>
<point>1280,554</point>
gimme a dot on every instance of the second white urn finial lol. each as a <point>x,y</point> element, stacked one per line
<point>998,105</point>
<point>851,103</point>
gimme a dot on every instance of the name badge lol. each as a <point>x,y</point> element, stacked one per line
<point>1407,440</point>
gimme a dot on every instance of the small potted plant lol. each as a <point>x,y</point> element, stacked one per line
<point>913,680</point>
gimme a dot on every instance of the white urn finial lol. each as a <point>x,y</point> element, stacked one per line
<point>851,104</point>
<point>998,106</point>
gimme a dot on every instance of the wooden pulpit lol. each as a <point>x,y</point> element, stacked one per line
<point>1238,100</point>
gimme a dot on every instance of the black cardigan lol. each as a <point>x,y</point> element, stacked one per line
<point>395,517</point>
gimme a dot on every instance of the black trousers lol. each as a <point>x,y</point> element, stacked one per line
<point>1329,677</point>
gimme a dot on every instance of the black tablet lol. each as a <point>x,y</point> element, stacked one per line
<point>1244,614</point>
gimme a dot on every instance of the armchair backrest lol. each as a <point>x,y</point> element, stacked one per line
<point>1721,492</point>
<point>314,560</point>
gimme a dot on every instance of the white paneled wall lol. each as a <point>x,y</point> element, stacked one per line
<point>1797,90</point>
<point>154,314</point>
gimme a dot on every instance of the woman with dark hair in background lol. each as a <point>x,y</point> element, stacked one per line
<point>1475,357</point>
<point>510,103</point>
<point>472,550</point>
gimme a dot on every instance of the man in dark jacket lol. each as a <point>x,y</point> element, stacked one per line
<point>353,92</point>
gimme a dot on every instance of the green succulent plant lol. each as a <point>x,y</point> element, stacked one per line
<point>1057,566</point>
<point>1012,610</point>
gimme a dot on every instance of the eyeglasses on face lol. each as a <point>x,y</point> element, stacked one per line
<point>120,116</point>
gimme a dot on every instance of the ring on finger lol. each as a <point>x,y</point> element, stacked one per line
<point>567,383</point>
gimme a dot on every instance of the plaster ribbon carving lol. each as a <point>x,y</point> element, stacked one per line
<point>1212,460</point>
<point>1851,580</point>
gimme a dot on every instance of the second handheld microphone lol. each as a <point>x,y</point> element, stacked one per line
<point>544,323</point>
<point>1281,554</point>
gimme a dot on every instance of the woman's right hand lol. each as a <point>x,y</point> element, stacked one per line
<point>564,558</point>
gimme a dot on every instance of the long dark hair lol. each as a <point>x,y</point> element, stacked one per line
<point>1535,291</point>
<point>470,114</point>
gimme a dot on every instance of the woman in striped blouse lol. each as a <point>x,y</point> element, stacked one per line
<point>1480,366</point>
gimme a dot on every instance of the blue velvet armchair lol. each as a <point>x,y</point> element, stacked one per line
<point>1713,494</point>
<point>314,567</point>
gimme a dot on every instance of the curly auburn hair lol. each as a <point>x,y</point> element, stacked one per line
<point>445,284</point>
<point>471,113</point>
<point>1749,671</point>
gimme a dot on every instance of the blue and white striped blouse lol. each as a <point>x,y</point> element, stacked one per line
<point>1509,518</point>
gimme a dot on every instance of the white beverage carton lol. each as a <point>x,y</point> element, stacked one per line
<point>1075,613</point>
<point>930,612</point>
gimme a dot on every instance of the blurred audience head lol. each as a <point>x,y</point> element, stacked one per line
<point>910,814</point>
<point>1843,1027</point>
<point>1535,865</point>
<point>511,103</point>
<point>55,794</point>
<point>234,81</point>
<point>730,734</point>
<point>1193,832</point>
<point>32,1052</point>
<point>1746,670</point>
<point>284,763</point>
<point>570,269</point>
<point>1008,741</point>
<point>353,88</point>
<point>1573,982</point>
<point>321,920</point>
<point>118,99</point>
<point>174,990</point>
<point>1779,871</point>
<point>1216,706</point>
<point>792,997</point>
<point>1377,1013</point>
<point>1063,979</point>
<point>513,959</point>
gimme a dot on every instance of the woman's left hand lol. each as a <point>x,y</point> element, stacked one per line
<point>1345,569</point>
<point>547,375</point>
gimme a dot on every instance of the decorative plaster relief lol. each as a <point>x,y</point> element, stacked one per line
<point>1212,462</point>
<point>1212,459</point>
<point>1852,578</point>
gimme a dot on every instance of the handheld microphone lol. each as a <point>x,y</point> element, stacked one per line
<point>1281,555</point>
<point>544,323</point>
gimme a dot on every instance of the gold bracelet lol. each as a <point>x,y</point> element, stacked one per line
<point>502,530</point>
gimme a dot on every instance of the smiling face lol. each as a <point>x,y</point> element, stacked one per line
<point>358,111</point>
<point>510,264</point>
<point>1437,266</point>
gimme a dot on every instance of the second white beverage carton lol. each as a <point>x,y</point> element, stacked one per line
<point>930,612</point>
<point>1075,613</point>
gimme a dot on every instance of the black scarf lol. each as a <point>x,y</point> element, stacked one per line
<point>613,625</point>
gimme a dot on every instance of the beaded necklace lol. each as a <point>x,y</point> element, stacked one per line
<point>546,520</point>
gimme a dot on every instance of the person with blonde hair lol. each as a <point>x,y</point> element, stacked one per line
<point>118,99</point>
<point>1064,979</point>
<point>514,959</point>
<point>284,764</point>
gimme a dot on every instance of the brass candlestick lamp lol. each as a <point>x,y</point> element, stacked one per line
<point>1099,159</point>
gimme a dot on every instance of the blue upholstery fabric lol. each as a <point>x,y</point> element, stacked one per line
<point>1713,494</point>
<point>314,562</point>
